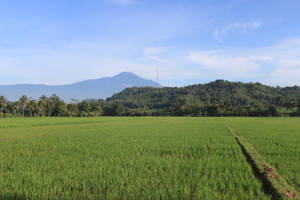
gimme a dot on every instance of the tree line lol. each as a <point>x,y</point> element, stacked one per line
<point>218,98</point>
<point>48,106</point>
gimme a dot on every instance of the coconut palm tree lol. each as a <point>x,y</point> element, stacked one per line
<point>39,109</point>
<point>15,108</point>
<point>3,103</point>
<point>23,102</point>
<point>42,105</point>
<point>32,107</point>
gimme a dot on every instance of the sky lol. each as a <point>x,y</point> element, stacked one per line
<point>186,41</point>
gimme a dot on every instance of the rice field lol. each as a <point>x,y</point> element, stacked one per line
<point>140,158</point>
<point>277,140</point>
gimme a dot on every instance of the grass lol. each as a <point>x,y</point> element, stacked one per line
<point>123,158</point>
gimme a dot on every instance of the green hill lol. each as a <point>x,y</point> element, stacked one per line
<point>227,98</point>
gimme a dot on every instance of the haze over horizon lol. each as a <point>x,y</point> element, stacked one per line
<point>115,75</point>
<point>61,41</point>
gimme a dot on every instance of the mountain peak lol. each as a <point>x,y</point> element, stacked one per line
<point>87,89</point>
<point>126,74</point>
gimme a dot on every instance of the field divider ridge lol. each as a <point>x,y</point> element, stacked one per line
<point>272,182</point>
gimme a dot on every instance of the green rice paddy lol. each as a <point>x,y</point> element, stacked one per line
<point>277,140</point>
<point>141,158</point>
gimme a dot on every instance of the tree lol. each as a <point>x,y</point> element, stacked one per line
<point>61,108</point>
<point>72,109</point>
<point>57,107</point>
<point>272,111</point>
<point>15,108</point>
<point>291,102</point>
<point>32,107</point>
<point>259,109</point>
<point>39,110</point>
<point>280,101</point>
<point>118,109</point>
<point>23,102</point>
<point>96,108</point>
<point>3,103</point>
<point>84,108</point>
<point>212,110</point>
<point>43,105</point>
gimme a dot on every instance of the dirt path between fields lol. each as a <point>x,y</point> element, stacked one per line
<point>272,183</point>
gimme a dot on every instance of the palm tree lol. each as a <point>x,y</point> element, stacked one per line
<point>15,108</point>
<point>42,105</point>
<point>39,109</point>
<point>32,107</point>
<point>23,101</point>
<point>3,103</point>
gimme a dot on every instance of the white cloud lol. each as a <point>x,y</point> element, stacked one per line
<point>224,65</point>
<point>244,28</point>
<point>285,61</point>
<point>277,64</point>
<point>154,50</point>
<point>285,76</point>
<point>152,53</point>
<point>261,58</point>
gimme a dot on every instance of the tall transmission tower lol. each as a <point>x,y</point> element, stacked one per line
<point>157,77</point>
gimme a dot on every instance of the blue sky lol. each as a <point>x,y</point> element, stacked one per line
<point>196,41</point>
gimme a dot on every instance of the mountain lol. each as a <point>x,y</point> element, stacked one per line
<point>88,89</point>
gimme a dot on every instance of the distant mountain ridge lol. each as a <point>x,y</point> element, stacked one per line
<point>87,89</point>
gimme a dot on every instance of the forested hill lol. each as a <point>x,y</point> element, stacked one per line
<point>223,95</point>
